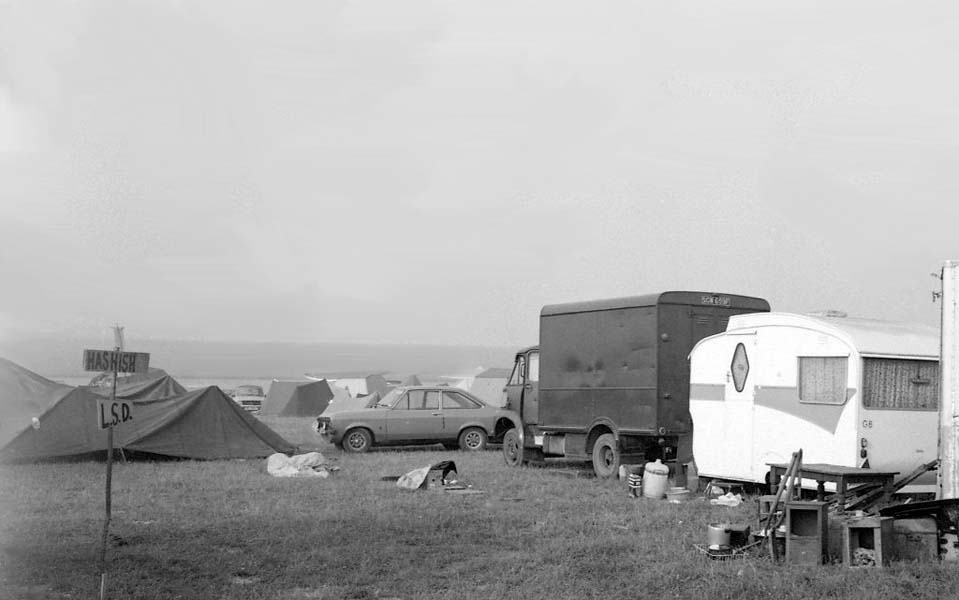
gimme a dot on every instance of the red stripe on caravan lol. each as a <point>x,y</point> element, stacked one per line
<point>786,400</point>
<point>707,391</point>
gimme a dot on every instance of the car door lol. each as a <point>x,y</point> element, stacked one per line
<point>458,410</point>
<point>416,416</point>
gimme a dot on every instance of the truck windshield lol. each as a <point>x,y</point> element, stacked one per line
<point>249,390</point>
<point>517,377</point>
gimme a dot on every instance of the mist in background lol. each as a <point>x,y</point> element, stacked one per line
<point>435,172</point>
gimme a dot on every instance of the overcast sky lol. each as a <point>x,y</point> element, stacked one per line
<point>436,172</point>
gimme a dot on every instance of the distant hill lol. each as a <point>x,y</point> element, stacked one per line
<point>190,358</point>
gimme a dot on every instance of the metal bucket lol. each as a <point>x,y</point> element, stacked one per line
<point>718,536</point>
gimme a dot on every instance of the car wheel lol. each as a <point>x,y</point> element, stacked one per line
<point>512,448</point>
<point>357,440</point>
<point>605,456</point>
<point>473,438</point>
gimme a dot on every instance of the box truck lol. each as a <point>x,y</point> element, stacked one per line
<point>609,381</point>
<point>849,392</point>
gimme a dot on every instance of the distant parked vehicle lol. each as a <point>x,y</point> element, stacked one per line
<point>250,397</point>
<point>417,415</point>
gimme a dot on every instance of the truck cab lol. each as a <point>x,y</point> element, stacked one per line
<point>522,388</point>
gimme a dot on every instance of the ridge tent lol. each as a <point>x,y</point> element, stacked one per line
<point>412,380</point>
<point>360,384</point>
<point>24,395</point>
<point>162,386</point>
<point>297,398</point>
<point>488,386</point>
<point>105,379</point>
<point>202,424</point>
<point>342,401</point>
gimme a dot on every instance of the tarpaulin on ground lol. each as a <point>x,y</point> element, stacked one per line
<point>202,424</point>
<point>297,398</point>
<point>311,464</point>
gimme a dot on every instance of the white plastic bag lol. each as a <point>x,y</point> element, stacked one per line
<point>414,479</point>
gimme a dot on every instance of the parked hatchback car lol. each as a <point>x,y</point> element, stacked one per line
<point>250,397</point>
<point>417,415</point>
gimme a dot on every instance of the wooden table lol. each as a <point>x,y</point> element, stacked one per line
<point>843,477</point>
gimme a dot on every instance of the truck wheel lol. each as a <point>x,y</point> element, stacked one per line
<point>473,438</point>
<point>605,456</point>
<point>512,448</point>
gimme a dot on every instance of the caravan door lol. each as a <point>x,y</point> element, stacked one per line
<point>739,412</point>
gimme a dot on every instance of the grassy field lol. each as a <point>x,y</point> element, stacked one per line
<point>227,530</point>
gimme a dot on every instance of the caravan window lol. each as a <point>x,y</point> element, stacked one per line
<point>900,384</point>
<point>822,379</point>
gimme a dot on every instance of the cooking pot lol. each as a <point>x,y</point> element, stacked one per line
<point>717,536</point>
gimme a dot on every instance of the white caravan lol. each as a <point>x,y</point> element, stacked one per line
<point>850,392</point>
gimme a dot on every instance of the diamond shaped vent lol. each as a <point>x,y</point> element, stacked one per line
<point>739,367</point>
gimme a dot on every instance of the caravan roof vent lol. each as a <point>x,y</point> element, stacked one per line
<point>835,314</point>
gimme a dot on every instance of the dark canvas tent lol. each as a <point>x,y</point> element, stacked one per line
<point>162,386</point>
<point>412,380</point>
<point>24,395</point>
<point>202,424</point>
<point>297,398</point>
<point>105,380</point>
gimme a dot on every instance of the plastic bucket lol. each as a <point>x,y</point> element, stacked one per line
<point>655,476</point>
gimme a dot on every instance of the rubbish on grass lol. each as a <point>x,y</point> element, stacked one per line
<point>863,557</point>
<point>430,477</point>
<point>414,479</point>
<point>728,499</point>
<point>728,553</point>
<point>677,495</point>
<point>462,490</point>
<point>311,464</point>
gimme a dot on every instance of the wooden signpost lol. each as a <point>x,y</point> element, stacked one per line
<point>112,413</point>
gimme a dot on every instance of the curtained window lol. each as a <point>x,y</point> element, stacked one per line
<point>900,384</point>
<point>822,379</point>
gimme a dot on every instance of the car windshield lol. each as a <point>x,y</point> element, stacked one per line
<point>390,398</point>
<point>249,390</point>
